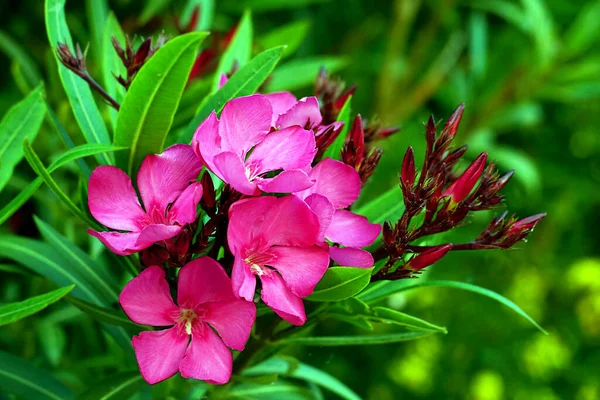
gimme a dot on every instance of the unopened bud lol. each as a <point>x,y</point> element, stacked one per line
<point>525,225</point>
<point>429,257</point>
<point>456,155</point>
<point>409,173</point>
<point>461,188</point>
<point>430,132</point>
<point>341,100</point>
<point>449,131</point>
<point>208,191</point>
<point>369,164</point>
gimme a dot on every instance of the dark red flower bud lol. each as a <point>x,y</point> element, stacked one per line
<point>461,188</point>
<point>449,131</point>
<point>525,225</point>
<point>142,52</point>
<point>429,257</point>
<point>386,132</point>
<point>456,155</point>
<point>208,192</point>
<point>357,136</point>
<point>369,164</point>
<point>409,172</point>
<point>341,100</point>
<point>388,234</point>
<point>500,183</point>
<point>430,132</point>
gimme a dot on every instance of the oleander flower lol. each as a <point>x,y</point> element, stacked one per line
<point>241,149</point>
<point>274,239</point>
<point>336,187</point>
<point>207,312</point>
<point>169,193</point>
<point>289,111</point>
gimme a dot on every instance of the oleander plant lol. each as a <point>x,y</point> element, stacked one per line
<point>191,206</point>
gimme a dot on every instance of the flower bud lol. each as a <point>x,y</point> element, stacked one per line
<point>357,137</point>
<point>525,225</point>
<point>456,155</point>
<point>449,131</point>
<point>430,133</point>
<point>369,164</point>
<point>429,257</point>
<point>461,188</point>
<point>341,100</point>
<point>208,192</point>
<point>409,173</point>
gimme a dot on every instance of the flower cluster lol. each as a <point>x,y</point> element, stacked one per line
<point>276,214</point>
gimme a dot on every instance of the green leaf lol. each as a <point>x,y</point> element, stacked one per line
<point>354,340</point>
<point>15,311</point>
<point>66,139</point>
<point>97,13</point>
<point>39,169</point>
<point>244,82</point>
<point>387,315</point>
<point>22,121</point>
<point>152,8</point>
<point>188,106</point>
<point>122,385</point>
<point>283,366</point>
<point>16,53</point>
<point>94,273</point>
<point>150,104</point>
<point>239,50</point>
<point>300,73</point>
<point>112,64</point>
<point>22,378</point>
<point>386,207</point>
<point>340,283</point>
<point>206,15</point>
<point>80,95</point>
<point>583,32</point>
<point>106,315</point>
<point>73,154</point>
<point>335,149</point>
<point>388,288</point>
<point>275,391</point>
<point>290,35</point>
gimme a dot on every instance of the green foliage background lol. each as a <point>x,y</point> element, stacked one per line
<point>529,73</point>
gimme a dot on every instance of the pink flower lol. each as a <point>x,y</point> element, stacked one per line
<point>239,149</point>
<point>169,196</point>
<point>288,111</point>
<point>337,186</point>
<point>205,302</point>
<point>273,238</point>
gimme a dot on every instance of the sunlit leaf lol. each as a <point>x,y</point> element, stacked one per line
<point>290,35</point>
<point>15,311</point>
<point>340,283</point>
<point>357,340</point>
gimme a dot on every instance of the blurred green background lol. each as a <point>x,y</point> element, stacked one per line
<point>529,73</point>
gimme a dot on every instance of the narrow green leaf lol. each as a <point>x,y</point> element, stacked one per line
<point>74,258</point>
<point>290,35</point>
<point>386,207</point>
<point>20,80</point>
<point>354,340</point>
<point>357,321</point>
<point>340,283</point>
<point>73,154</point>
<point>122,385</point>
<point>22,121</point>
<point>244,82</point>
<point>39,169</point>
<point>239,50</point>
<point>22,378</point>
<point>583,32</point>
<point>16,53</point>
<point>301,73</point>
<point>335,149</point>
<point>80,95</point>
<point>387,315</point>
<point>283,366</point>
<point>106,315</point>
<point>152,8</point>
<point>112,64</point>
<point>275,391</point>
<point>206,13</point>
<point>190,101</point>
<point>15,311</point>
<point>66,139</point>
<point>97,13</point>
<point>150,104</point>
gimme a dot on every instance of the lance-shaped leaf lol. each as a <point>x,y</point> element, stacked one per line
<point>354,340</point>
<point>206,14</point>
<point>340,283</point>
<point>107,315</point>
<point>122,385</point>
<point>18,55</point>
<point>150,104</point>
<point>15,311</point>
<point>80,95</point>
<point>22,121</point>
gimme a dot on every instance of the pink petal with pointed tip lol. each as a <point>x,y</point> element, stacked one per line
<point>184,210</point>
<point>207,142</point>
<point>290,223</point>
<point>339,182</point>
<point>281,102</point>
<point>223,80</point>
<point>352,230</point>
<point>128,243</point>
<point>163,177</point>
<point>242,280</point>
<point>159,353</point>
<point>282,300</point>
<point>324,211</point>
<point>113,201</point>
<point>304,113</point>
<point>207,358</point>
<point>289,148</point>
<point>232,320</point>
<point>202,280</point>
<point>351,257</point>
<point>301,267</point>
<point>146,299</point>
<point>245,121</point>
<point>246,220</point>
<point>288,181</point>
<point>233,171</point>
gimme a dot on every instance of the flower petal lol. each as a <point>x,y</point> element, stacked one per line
<point>243,280</point>
<point>245,121</point>
<point>246,220</point>
<point>201,281</point>
<point>128,243</point>
<point>159,353</point>
<point>281,102</point>
<point>232,320</point>
<point>301,267</point>
<point>339,182</point>
<point>163,177</point>
<point>288,181</point>
<point>291,223</point>
<point>207,142</point>
<point>352,230</point>
<point>289,148</point>
<point>351,257</point>
<point>281,299</point>
<point>146,299</point>
<point>207,358</point>
<point>233,171</point>
<point>304,113</point>
<point>184,210</point>
<point>113,201</point>
<point>324,211</point>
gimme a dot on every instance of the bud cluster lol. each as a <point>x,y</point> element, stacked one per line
<point>134,60</point>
